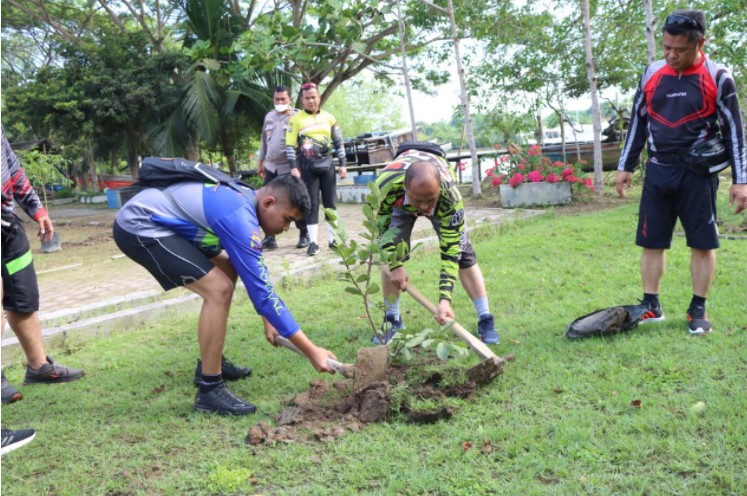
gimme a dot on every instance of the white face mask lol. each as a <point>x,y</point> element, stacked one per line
<point>282,108</point>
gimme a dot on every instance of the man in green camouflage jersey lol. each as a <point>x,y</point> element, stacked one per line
<point>420,184</point>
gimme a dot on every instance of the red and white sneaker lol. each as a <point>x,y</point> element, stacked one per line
<point>653,314</point>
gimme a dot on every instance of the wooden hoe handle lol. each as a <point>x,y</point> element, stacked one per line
<point>477,346</point>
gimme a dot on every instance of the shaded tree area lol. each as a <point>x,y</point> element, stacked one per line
<point>109,80</point>
<point>101,102</point>
<point>536,53</point>
<point>113,79</point>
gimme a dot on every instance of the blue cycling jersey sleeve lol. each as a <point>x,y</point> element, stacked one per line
<point>234,221</point>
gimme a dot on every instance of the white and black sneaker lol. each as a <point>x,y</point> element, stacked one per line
<point>220,400</point>
<point>15,439</point>
<point>697,321</point>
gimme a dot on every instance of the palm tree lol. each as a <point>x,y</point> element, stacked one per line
<point>219,101</point>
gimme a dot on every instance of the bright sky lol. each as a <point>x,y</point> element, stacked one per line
<point>440,107</point>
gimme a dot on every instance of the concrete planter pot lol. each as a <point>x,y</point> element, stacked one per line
<point>94,199</point>
<point>535,194</point>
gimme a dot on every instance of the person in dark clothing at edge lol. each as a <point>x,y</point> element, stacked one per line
<point>203,236</point>
<point>314,134</point>
<point>20,290</point>
<point>273,158</point>
<point>20,293</point>
<point>681,101</point>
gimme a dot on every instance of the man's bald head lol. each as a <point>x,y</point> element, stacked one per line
<point>423,186</point>
<point>422,174</point>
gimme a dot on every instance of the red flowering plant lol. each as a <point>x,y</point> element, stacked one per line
<point>530,166</point>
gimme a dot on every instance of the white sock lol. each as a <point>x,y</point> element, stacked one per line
<point>330,233</point>
<point>482,306</point>
<point>392,308</point>
<point>313,232</point>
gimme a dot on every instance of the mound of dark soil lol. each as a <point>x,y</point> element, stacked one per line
<point>328,410</point>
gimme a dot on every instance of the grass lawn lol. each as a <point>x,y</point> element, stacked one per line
<point>652,411</point>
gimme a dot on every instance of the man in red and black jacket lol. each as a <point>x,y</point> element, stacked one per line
<point>20,289</point>
<point>682,101</point>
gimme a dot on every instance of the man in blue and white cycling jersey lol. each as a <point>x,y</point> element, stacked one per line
<point>204,236</point>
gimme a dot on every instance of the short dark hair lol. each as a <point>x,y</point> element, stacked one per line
<point>281,88</point>
<point>295,189</point>
<point>691,23</point>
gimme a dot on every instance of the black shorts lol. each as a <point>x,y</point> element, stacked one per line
<point>172,260</point>
<point>671,192</point>
<point>20,289</point>
<point>405,222</point>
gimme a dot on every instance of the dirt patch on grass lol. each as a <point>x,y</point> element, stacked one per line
<point>329,410</point>
<point>325,412</point>
<point>737,229</point>
<point>94,240</point>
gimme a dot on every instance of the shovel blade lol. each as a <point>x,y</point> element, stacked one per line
<point>371,366</point>
<point>486,371</point>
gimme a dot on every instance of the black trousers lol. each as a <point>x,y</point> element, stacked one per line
<point>320,180</point>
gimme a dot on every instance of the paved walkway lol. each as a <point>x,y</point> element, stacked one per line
<point>99,293</point>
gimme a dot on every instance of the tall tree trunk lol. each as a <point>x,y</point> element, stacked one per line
<point>408,89</point>
<point>133,159</point>
<point>561,120</point>
<point>540,128</point>
<point>228,152</point>
<point>85,179</point>
<point>92,165</point>
<point>650,33</point>
<point>595,113</point>
<point>476,190</point>
<point>192,148</point>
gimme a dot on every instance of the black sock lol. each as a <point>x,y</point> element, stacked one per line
<point>210,382</point>
<point>697,301</point>
<point>651,299</point>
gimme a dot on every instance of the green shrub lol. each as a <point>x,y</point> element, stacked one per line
<point>64,193</point>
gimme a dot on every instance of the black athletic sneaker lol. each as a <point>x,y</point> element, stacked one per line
<point>313,249</point>
<point>15,439</point>
<point>10,394</point>
<point>52,372</point>
<point>230,371</point>
<point>698,321</point>
<point>269,243</point>
<point>221,400</point>
<point>486,330</point>
<point>303,241</point>
<point>653,314</point>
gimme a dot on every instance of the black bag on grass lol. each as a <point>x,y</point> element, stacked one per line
<point>606,321</point>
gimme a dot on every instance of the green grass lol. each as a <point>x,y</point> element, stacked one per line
<point>559,420</point>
